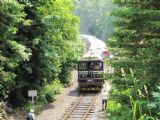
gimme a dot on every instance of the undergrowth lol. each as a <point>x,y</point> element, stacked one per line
<point>45,95</point>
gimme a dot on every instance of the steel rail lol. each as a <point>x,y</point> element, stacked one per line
<point>74,106</point>
<point>68,113</point>
<point>89,108</point>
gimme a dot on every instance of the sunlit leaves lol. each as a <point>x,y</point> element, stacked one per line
<point>39,43</point>
<point>95,19</point>
<point>135,45</point>
<point>11,51</point>
<point>20,51</point>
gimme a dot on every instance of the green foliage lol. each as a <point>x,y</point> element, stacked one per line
<point>132,100</point>
<point>12,52</point>
<point>94,17</point>
<point>154,105</point>
<point>29,105</point>
<point>135,43</point>
<point>45,96</point>
<point>39,43</point>
<point>49,91</point>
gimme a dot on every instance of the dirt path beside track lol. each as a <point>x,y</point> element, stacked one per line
<point>55,110</point>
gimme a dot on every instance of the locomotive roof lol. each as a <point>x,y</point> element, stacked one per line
<point>96,48</point>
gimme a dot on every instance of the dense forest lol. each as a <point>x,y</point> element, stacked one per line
<point>38,41</point>
<point>135,43</point>
<point>95,17</point>
<point>40,46</point>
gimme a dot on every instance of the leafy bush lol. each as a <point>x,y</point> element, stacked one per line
<point>29,105</point>
<point>154,105</point>
<point>132,102</point>
<point>134,48</point>
<point>12,52</point>
<point>39,43</point>
<point>48,92</point>
<point>46,95</point>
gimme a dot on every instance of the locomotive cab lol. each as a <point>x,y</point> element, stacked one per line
<point>91,66</point>
<point>90,73</point>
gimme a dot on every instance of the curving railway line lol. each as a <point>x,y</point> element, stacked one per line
<point>90,68</point>
<point>82,108</point>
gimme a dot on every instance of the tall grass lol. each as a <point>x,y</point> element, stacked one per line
<point>138,99</point>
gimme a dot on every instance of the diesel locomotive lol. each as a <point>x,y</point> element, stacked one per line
<point>91,66</point>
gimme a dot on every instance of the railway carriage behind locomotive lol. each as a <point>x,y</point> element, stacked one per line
<point>91,66</point>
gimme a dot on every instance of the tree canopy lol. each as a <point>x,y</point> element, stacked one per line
<point>136,44</point>
<point>95,17</point>
<point>38,45</point>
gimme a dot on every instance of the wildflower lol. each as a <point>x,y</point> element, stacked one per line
<point>122,70</point>
<point>145,88</point>
<point>140,93</point>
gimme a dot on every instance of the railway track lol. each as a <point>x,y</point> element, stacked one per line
<point>82,108</point>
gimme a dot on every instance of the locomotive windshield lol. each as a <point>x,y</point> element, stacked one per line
<point>98,65</point>
<point>90,65</point>
<point>82,66</point>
